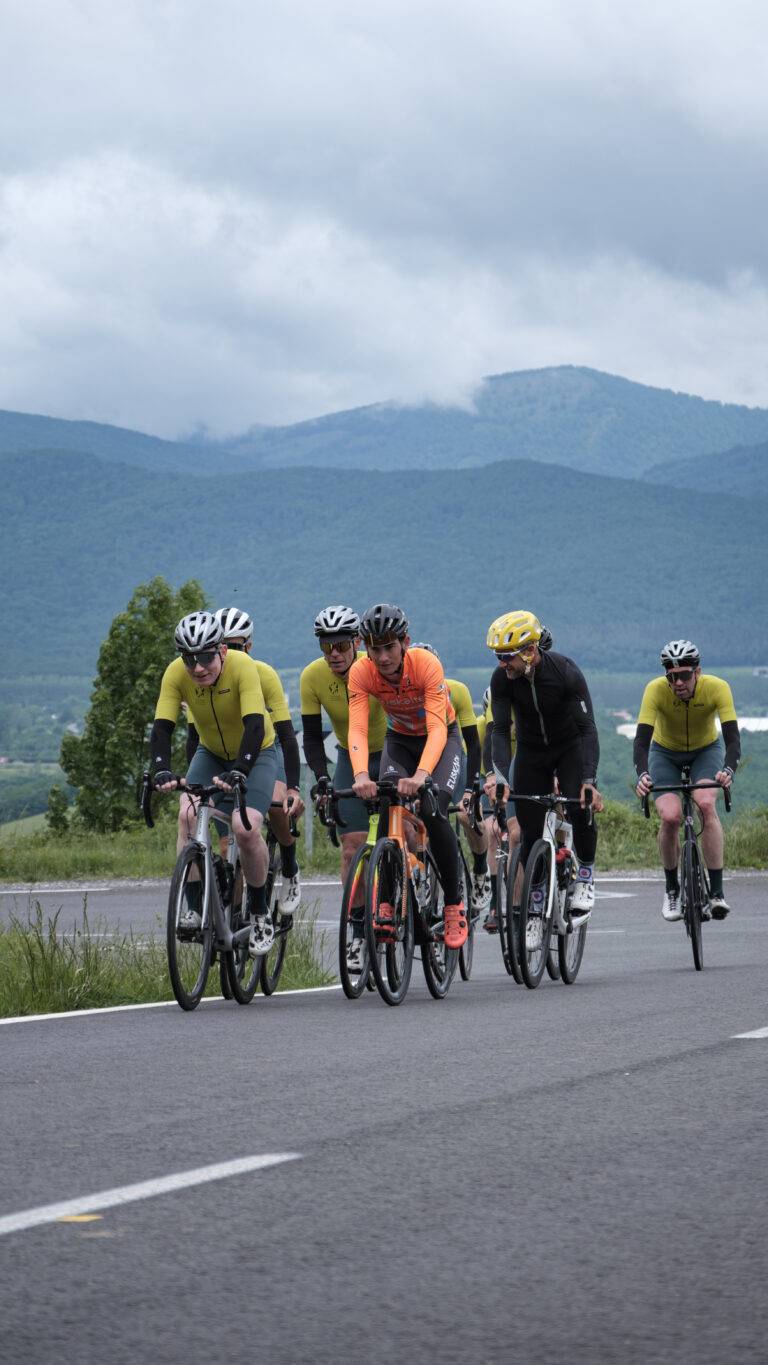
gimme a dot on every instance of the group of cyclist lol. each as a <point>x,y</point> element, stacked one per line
<point>396,716</point>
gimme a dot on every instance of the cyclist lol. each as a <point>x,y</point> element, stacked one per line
<point>324,687</point>
<point>676,729</point>
<point>238,634</point>
<point>556,734</point>
<point>461,701</point>
<point>236,750</point>
<point>422,740</point>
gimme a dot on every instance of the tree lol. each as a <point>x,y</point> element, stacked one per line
<point>56,817</point>
<point>105,763</point>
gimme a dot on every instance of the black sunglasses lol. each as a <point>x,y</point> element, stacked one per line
<point>683,675</point>
<point>200,656</point>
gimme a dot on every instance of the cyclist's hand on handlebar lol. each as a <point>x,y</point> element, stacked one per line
<point>644,784</point>
<point>164,782</point>
<point>724,777</point>
<point>293,804</point>
<point>231,780</point>
<point>364,787</point>
<point>490,785</point>
<point>597,800</point>
<point>411,786</point>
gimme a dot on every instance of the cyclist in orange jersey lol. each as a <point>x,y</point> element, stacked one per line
<point>423,739</point>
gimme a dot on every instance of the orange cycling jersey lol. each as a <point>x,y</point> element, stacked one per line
<point>418,704</point>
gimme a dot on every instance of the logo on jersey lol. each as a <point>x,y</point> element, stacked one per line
<point>454,773</point>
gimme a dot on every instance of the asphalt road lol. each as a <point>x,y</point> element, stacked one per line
<point>572,1175</point>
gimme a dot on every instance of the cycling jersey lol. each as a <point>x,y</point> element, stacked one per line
<point>218,710</point>
<point>418,704</point>
<point>321,690</point>
<point>461,701</point>
<point>274,696</point>
<point>552,708</point>
<point>685,725</point>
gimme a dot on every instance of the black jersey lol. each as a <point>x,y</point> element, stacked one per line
<point>552,709</point>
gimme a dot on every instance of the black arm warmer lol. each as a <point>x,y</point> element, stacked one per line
<point>487,743</point>
<point>642,744</point>
<point>501,742</point>
<point>581,710</point>
<point>250,744</point>
<point>314,749</point>
<point>290,747</point>
<point>193,739</point>
<point>732,742</point>
<point>472,741</point>
<point>160,746</point>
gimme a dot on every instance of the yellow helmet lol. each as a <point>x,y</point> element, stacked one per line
<point>512,631</point>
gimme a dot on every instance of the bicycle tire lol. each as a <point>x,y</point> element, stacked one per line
<point>271,963</point>
<point>386,882</point>
<point>438,962</point>
<point>502,881</point>
<point>533,960</point>
<point>512,913</point>
<point>189,957</point>
<point>244,970</point>
<point>467,950</point>
<point>353,984</point>
<point>226,989</point>
<point>553,960</point>
<point>692,896</point>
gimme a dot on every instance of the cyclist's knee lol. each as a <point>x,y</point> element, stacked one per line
<point>244,835</point>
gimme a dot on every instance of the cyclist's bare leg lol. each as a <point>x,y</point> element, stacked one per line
<point>477,842</point>
<point>251,847</point>
<point>350,843</point>
<point>186,826</point>
<point>712,832</point>
<point>279,821</point>
<point>671,814</point>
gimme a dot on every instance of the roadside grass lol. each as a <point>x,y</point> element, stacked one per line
<point>627,839</point>
<point>44,970</point>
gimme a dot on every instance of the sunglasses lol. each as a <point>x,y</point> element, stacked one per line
<point>527,652</point>
<point>340,646</point>
<point>682,675</point>
<point>205,657</point>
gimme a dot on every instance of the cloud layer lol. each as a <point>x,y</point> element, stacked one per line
<point>258,213</point>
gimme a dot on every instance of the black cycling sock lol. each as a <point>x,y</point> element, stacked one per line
<point>672,880</point>
<point>193,895</point>
<point>494,888</point>
<point>256,900</point>
<point>715,880</point>
<point>288,864</point>
<point>480,862</point>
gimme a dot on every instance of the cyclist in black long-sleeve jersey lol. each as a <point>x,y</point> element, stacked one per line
<point>556,736</point>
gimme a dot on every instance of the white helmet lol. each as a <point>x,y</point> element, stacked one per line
<point>486,697</point>
<point>235,623</point>
<point>198,630</point>
<point>680,652</point>
<point>337,621</point>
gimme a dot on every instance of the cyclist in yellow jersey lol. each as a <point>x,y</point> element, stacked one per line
<point>461,700</point>
<point>323,688</point>
<point>676,729</point>
<point>236,750</point>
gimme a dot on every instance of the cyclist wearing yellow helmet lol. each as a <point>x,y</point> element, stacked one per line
<point>556,736</point>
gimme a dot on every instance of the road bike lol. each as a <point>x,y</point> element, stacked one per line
<point>215,888</point>
<point>694,882</point>
<point>467,950</point>
<point>403,898</point>
<point>507,880</point>
<point>544,909</point>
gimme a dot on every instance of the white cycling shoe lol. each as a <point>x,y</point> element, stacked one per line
<point>189,920</point>
<point>670,906</point>
<point>583,898</point>
<point>290,895</point>
<point>480,898</point>
<point>533,935</point>
<point>355,951</point>
<point>262,936</point>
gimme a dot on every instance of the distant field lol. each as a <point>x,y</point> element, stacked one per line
<point>28,825</point>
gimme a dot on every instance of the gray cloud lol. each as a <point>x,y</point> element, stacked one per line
<point>262,212</point>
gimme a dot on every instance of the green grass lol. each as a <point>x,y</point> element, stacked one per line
<point>44,971</point>
<point>28,824</point>
<point>627,839</point>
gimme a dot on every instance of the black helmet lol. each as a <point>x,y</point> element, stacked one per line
<point>382,621</point>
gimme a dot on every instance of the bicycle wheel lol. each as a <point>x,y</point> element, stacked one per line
<point>271,963</point>
<point>553,959</point>
<point>189,951</point>
<point>243,969</point>
<point>389,928</point>
<point>692,886</point>
<point>535,920</point>
<point>500,878</point>
<point>512,915</point>
<point>438,962</point>
<point>467,950</point>
<point>352,927</point>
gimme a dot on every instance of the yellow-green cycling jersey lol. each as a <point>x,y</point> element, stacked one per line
<point>217,712</point>
<point>321,690</point>
<point>274,696</point>
<point>684,725</point>
<point>461,700</point>
<point>483,722</point>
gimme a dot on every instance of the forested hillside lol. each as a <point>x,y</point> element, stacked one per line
<point>743,470</point>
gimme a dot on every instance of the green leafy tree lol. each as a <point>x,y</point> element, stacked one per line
<point>104,764</point>
<point>57,816</point>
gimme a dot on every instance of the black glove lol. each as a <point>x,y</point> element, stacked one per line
<point>160,779</point>
<point>234,779</point>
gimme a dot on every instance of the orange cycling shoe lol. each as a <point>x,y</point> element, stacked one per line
<point>384,920</point>
<point>455,935</point>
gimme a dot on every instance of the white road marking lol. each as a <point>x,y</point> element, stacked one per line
<point>53,890</point>
<point>146,1189</point>
<point>756,1033</point>
<point>613,895</point>
<point>154,1005</point>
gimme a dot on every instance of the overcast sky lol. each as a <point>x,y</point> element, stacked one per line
<point>226,212</point>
